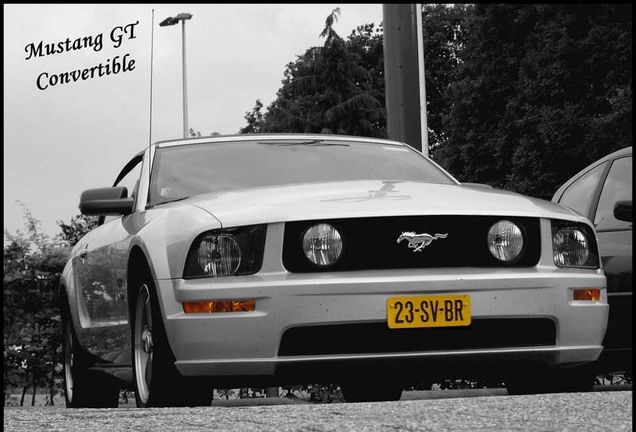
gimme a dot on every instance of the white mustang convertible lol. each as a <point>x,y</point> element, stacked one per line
<point>267,260</point>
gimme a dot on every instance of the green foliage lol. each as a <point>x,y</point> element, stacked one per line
<point>76,228</point>
<point>254,119</point>
<point>445,35</point>
<point>339,87</point>
<point>519,96</point>
<point>33,264</point>
<point>367,43</point>
<point>325,393</point>
<point>542,91</point>
<point>326,90</point>
<point>32,336</point>
<point>225,393</point>
<point>195,134</point>
<point>328,32</point>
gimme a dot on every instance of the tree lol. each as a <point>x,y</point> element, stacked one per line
<point>194,134</point>
<point>303,101</point>
<point>76,228</point>
<point>33,264</point>
<point>328,32</point>
<point>32,334</point>
<point>325,90</point>
<point>542,91</point>
<point>367,43</point>
<point>254,119</point>
<point>445,35</point>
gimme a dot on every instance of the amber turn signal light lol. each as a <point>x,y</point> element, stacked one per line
<point>589,294</point>
<point>213,306</point>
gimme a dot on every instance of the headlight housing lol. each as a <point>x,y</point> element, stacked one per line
<point>322,245</point>
<point>505,241</point>
<point>574,245</point>
<point>226,252</point>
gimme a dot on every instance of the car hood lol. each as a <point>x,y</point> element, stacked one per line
<point>367,199</point>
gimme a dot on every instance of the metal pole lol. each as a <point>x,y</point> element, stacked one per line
<point>185,87</point>
<point>420,57</point>
<point>152,49</point>
<point>401,71</point>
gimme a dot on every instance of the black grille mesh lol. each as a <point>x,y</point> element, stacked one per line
<point>371,243</point>
<point>374,338</point>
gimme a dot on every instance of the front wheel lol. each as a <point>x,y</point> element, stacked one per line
<point>83,388</point>
<point>158,383</point>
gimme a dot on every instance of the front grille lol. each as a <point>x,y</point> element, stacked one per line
<point>371,243</point>
<point>377,338</point>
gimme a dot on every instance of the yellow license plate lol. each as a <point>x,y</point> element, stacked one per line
<point>428,311</point>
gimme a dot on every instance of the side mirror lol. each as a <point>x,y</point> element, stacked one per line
<point>623,210</point>
<point>106,201</point>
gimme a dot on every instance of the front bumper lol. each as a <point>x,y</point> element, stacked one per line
<point>244,347</point>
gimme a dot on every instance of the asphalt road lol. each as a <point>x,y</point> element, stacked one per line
<point>595,411</point>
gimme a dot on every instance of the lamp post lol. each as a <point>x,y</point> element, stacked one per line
<point>172,21</point>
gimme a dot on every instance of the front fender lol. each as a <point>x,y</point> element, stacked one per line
<point>166,238</point>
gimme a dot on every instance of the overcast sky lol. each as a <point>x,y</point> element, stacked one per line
<point>62,138</point>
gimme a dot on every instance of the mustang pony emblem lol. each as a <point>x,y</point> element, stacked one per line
<point>419,241</point>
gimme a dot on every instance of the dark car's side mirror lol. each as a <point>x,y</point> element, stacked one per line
<point>623,210</point>
<point>108,201</point>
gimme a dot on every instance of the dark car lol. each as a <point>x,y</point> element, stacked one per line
<point>603,193</point>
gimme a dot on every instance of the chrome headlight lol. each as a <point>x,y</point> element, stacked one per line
<point>322,244</point>
<point>226,252</point>
<point>505,241</point>
<point>574,245</point>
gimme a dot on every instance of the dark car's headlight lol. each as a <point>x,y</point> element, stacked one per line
<point>574,245</point>
<point>226,252</point>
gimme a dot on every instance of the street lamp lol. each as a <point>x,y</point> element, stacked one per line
<point>172,21</point>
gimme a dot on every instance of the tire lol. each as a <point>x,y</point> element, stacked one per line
<point>157,381</point>
<point>538,380</point>
<point>372,389</point>
<point>83,388</point>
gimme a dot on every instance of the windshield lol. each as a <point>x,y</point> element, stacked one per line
<point>183,171</point>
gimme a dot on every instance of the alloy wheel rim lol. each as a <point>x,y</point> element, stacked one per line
<point>143,345</point>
